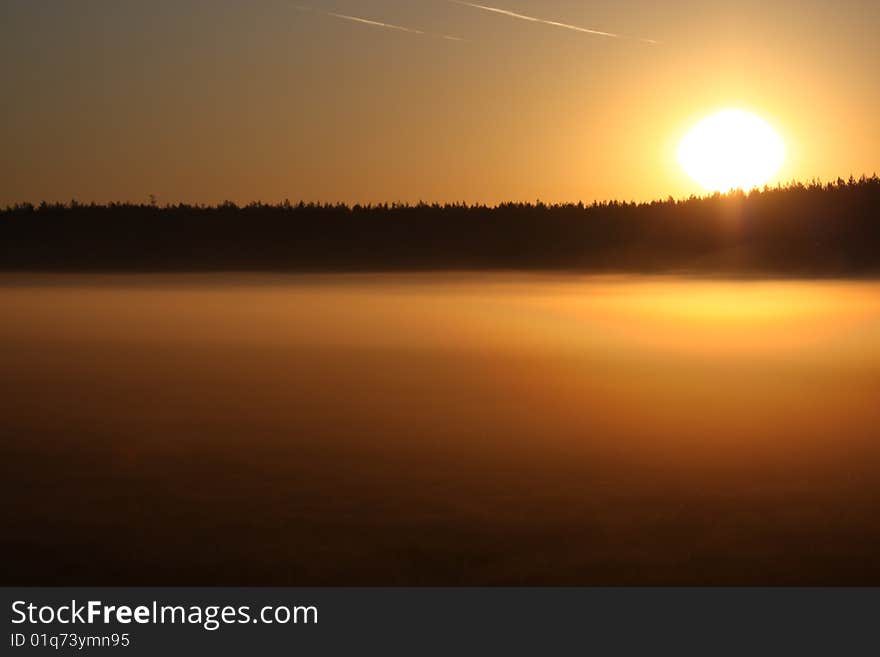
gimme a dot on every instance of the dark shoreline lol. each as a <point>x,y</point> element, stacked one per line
<point>822,231</point>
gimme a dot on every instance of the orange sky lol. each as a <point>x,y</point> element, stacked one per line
<point>203,101</point>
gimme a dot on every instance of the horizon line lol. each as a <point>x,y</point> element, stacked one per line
<point>812,184</point>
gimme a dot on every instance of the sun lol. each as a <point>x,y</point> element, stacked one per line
<point>731,149</point>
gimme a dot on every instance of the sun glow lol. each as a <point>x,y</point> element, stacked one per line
<point>731,149</point>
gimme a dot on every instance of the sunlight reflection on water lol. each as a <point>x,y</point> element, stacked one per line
<point>474,406</point>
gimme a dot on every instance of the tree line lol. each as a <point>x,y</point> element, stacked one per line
<point>813,229</point>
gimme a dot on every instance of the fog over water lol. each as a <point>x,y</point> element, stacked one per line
<point>439,429</point>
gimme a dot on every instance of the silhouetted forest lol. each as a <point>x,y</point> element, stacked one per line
<point>818,229</point>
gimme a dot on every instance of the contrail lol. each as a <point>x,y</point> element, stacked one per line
<point>367,21</point>
<point>532,19</point>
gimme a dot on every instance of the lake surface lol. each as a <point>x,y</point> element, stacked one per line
<point>438,429</point>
